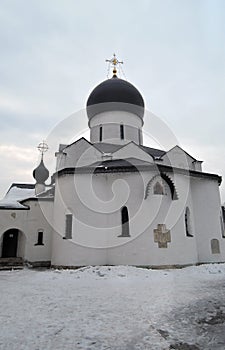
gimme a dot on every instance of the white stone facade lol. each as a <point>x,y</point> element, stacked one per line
<point>114,202</point>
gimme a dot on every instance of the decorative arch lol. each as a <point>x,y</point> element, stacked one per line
<point>169,182</point>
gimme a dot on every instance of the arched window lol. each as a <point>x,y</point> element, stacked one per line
<point>122,131</point>
<point>158,188</point>
<point>68,226</point>
<point>165,186</point>
<point>40,238</point>
<point>215,246</point>
<point>100,134</point>
<point>139,136</point>
<point>187,219</point>
<point>125,223</point>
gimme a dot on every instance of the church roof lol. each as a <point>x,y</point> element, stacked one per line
<point>107,147</point>
<point>133,165</point>
<point>115,94</point>
<point>116,164</point>
<point>154,152</point>
<point>41,173</point>
<point>111,148</point>
<point>16,193</point>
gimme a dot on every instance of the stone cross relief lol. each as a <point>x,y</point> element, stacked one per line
<point>162,236</point>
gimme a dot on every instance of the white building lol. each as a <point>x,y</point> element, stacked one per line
<point>113,200</point>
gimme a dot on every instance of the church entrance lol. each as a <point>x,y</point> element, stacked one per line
<point>10,242</point>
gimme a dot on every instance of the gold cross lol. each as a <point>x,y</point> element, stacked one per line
<point>162,236</point>
<point>114,62</point>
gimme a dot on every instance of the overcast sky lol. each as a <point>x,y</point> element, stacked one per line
<point>52,54</point>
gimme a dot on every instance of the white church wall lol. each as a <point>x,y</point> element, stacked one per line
<point>131,150</point>
<point>80,153</point>
<point>13,219</point>
<point>68,253</point>
<point>21,248</point>
<point>206,205</point>
<point>39,218</point>
<point>169,212</point>
<point>95,200</point>
<point>198,165</point>
<point>29,222</point>
<point>95,234</point>
<point>144,251</point>
<point>177,157</point>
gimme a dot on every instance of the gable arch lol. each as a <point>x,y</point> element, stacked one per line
<point>171,185</point>
<point>169,182</point>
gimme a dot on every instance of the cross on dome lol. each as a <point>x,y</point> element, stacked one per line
<point>114,62</point>
<point>42,147</point>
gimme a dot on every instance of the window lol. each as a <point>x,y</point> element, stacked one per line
<point>215,246</point>
<point>222,225</point>
<point>68,228</point>
<point>139,136</point>
<point>158,188</point>
<point>125,222</point>
<point>122,131</point>
<point>100,134</point>
<point>40,238</point>
<point>187,219</point>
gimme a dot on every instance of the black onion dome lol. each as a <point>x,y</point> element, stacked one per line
<point>115,94</point>
<point>41,173</point>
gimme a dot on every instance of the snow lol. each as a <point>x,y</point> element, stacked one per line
<point>113,307</point>
<point>14,195</point>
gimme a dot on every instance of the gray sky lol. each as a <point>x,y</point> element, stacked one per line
<point>52,55</point>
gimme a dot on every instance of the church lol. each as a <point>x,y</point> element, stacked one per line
<point>112,200</point>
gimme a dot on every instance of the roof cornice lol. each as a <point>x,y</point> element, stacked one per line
<point>101,169</point>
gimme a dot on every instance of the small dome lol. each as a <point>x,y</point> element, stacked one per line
<point>115,94</point>
<point>41,173</point>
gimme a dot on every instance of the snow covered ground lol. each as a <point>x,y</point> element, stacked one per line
<point>119,308</point>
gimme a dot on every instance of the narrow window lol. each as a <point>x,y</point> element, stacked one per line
<point>100,134</point>
<point>158,188</point>
<point>40,238</point>
<point>122,131</point>
<point>139,136</point>
<point>187,219</point>
<point>222,217</point>
<point>215,246</point>
<point>68,228</point>
<point>125,223</point>
<point>222,226</point>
